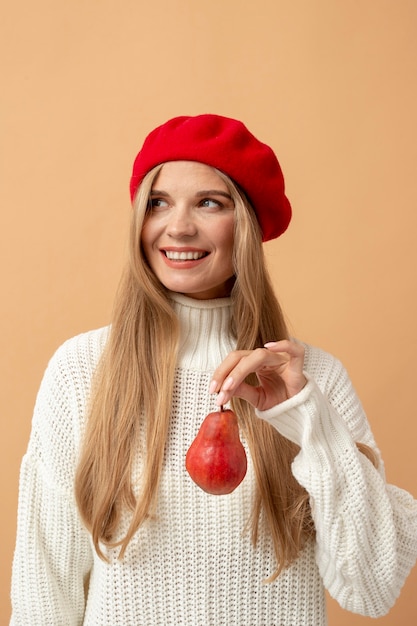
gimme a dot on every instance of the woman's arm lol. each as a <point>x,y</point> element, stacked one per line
<point>366,530</point>
<point>52,555</point>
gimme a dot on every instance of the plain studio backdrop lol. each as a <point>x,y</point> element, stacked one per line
<point>330,85</point>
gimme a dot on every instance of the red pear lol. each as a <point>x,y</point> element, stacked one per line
<point>216,460</point>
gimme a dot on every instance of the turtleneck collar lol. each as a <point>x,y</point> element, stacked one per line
<point>205,338</point>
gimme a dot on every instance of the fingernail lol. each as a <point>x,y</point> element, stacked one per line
<point>228,383</point>
<point>213,386</point>
<point>220,398</point>
<point>269,343</point>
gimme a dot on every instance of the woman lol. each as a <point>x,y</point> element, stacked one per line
<point>112,530</point>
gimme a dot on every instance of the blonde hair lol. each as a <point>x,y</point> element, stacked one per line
<point>125,400</point>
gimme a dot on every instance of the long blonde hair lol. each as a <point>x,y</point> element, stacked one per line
<point>124,393</point>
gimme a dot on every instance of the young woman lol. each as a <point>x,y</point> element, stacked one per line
<point>112,529</point>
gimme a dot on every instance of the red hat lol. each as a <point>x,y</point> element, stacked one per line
<point>227,145</point>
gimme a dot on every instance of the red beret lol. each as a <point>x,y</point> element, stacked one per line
<point>227,145</point>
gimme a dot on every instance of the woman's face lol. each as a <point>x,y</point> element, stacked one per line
<point>187,235</point>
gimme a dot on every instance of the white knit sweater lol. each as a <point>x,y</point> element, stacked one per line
<point>193,565</point>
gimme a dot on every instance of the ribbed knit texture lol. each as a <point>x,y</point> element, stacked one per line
<point>193,564</point>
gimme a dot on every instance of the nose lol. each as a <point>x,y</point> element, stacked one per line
<point>181,223</point>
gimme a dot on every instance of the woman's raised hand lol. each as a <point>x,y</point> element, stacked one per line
<point>278,367</point>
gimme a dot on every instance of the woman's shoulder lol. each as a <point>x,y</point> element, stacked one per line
<point>89,340</point>
<point>324,367</point>
<point>82,350</point>
<point>69,372</point>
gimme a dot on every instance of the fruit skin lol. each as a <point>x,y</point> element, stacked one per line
<point>216,460</point>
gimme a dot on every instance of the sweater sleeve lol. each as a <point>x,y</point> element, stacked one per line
<point>366,530</point>
<point>52,555</point>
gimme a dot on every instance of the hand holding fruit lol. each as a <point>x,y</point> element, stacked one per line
<point>279,369</point>
<point>216,460</point>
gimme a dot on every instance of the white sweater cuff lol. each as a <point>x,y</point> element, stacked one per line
<point>308,420</point>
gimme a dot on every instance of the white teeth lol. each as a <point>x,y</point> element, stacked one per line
<point>183,256</point>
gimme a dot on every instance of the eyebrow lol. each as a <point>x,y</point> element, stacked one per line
<point>199,194</point>
<point>213,192</point>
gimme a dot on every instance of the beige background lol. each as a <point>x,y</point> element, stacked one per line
<point>331,85</point>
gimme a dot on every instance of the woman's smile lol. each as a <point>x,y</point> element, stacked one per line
<point>183,255</point>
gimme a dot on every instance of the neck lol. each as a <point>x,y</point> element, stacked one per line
<point>205,337</point>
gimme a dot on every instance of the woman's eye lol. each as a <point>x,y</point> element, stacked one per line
<point>157,203</point>
<point>210,204</point>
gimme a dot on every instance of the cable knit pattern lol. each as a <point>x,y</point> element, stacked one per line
<point>193,565</point>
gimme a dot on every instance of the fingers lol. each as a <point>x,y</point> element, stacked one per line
<point>230,375</point>
<point>269,363</point>
<point>293,348</point>
<point>235,367</point>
